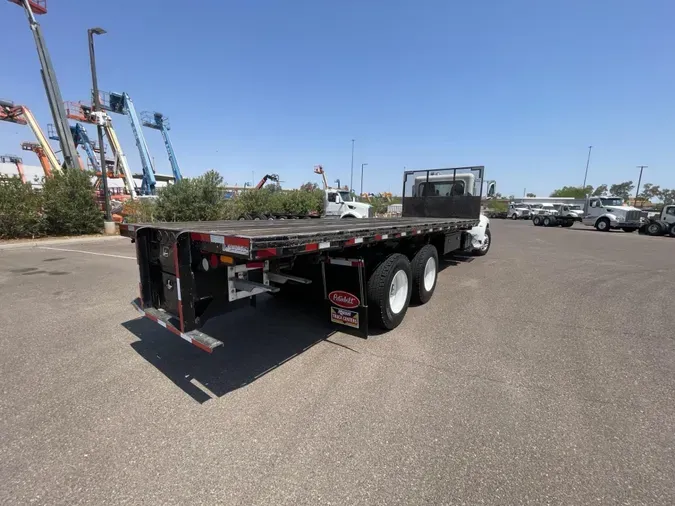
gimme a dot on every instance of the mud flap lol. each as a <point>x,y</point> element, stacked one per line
<point>346,300</point>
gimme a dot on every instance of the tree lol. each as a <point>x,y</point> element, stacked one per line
<point>576,192</point>
<point>530,195</point>
<point>192,199</point>
<point>650,191</point>
<point>668,196</point>
<point>69,204</point>
<point>309,186</point>
<point>622,190</point>
<point>600,191</point>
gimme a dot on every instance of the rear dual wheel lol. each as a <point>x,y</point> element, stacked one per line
<point>424,267</point>
<point>536,221</point>
<point>389,291</point>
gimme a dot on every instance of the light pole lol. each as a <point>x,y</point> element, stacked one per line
<point>362,166</point>
<point>99,126</point>
<point>637,191</point>
<point>351,179</point>
<point>588,160</point>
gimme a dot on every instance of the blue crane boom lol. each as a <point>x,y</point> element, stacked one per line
<point>160,122</point>
<point>121,103</point>
<point>81,138</point>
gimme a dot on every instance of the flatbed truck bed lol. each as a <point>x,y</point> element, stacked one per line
<point>367,271</point>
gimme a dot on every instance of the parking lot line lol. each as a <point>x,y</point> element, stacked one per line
<point>88,252</point>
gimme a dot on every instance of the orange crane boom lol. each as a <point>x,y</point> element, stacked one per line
<point>42,156</point>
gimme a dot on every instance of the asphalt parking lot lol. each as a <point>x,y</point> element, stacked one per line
<point>541,373</point>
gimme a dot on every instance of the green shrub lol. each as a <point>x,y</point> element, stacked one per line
<point>70,206</point>
<point>192,199</point>
<point>140,210</point>
<point>20,210</point>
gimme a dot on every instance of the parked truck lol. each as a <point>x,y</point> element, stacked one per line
<point>557,215</point>
<point>367,271</point>
<point>607,213</point>
<point>662,223</point>
<point>519,211</point>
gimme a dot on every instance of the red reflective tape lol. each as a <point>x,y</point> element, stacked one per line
<point>237,241</point>
<point>201,346</point>
<point>351,241</point>
<point>152,317</point>
<point>178,287</point>
<point>196,236</point>
<point>255,265</point>
<point>397,235</point>
<point>266,253</point>
<point>174,330</point>
<point>312,247</point>
<point>378,237</point>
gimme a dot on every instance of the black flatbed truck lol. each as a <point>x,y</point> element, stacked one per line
<point>368,269</point>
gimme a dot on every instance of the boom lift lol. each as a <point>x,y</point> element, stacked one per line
<point>81,138</point>
<point>271,177</point>
<point>42,156</point>
<point>81,112</point>
<point>21,115</point>
<point>121,103</point>
<point>32,7</point>
<point>160,122</point>
<point>318,169</point>
<point>16,160</point>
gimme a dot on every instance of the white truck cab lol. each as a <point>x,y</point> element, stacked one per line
<point>339,204</point>
<point>458,185</point>
<point>519,211</point>
<point>570,211</point>
<point>606,213</point>
<point>662,223</point>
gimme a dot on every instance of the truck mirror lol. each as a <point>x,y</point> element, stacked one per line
<point>491,189</point>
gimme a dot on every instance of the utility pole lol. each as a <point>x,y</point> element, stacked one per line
<point>99,120</point>
<point>351,179</point>
<point>637,191</point>
<point>362,165</point>
<point>588,160</point>
<point>70,159</point>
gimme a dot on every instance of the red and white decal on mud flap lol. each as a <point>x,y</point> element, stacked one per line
<point>344,317</point>
<point>344,299</point>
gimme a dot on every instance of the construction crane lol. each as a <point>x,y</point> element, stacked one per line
<point>84,113</point>
<point>16,160</point>
<point>33,7</point>
<point>121,103</point>
<point>42,156</point>
<point>21,115</point>
<point>318,169</point>
<point>160,122</point>
<point>271,177</point>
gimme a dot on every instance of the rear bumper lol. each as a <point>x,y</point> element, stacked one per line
<point>196,337</point>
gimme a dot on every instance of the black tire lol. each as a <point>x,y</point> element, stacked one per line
<point>484,250</point>
<point>628,230</point>
<point>514,216</point>
<point>654,229</point>
<point>536,221</point>
<point>548,221</point>
<point>418,265</point>
<point>379,285</point>
<point>568,223</point>
<point>671,232</point>
<point>603,225</point>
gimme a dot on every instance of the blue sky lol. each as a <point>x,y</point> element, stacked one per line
<point>277,86</point>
